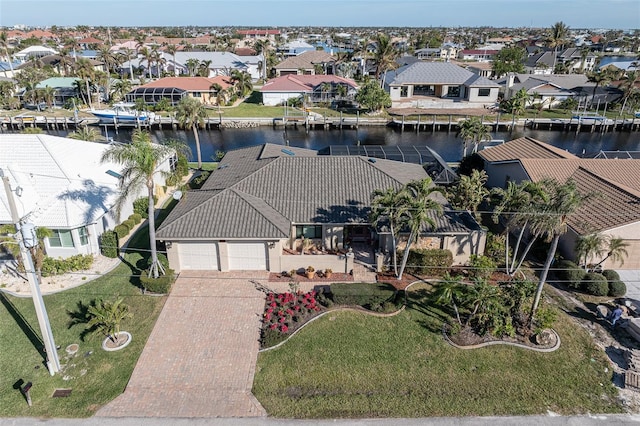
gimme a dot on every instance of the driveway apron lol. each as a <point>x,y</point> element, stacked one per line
<point>200,358</point>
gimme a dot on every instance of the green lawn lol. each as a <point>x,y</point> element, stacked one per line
<point>353,365</point>
<point>95,376</point>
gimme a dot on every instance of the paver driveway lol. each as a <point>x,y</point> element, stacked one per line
<point>200,358</point>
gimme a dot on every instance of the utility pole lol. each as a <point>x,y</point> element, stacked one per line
<point>26,236</point>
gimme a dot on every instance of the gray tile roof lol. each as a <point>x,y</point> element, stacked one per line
<point>262,191</point>
<point>435,73</point>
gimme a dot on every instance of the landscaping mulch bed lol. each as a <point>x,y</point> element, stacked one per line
<point>402,284</point>
<point>467,337</point>
<point>335,277</point>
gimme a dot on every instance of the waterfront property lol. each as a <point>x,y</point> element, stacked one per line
<point>173,89</point>
<point>315,88</point>
<point>439,85</point>
<point>63,187</point>
<point>613,212</point>
<point>264,204</point>
<point>307,63</point>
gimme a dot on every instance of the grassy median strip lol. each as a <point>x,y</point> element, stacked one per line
<point>352,365</point>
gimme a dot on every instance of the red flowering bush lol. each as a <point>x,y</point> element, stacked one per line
<point>286,312</point>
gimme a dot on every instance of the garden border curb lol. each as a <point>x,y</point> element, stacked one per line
<point>328,311</point>
<point>500,342</point>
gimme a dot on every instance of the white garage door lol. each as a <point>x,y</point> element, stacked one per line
<point>198,256</point>
<point>247,256</point>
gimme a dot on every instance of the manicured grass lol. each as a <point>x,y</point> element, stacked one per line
<point>353,365</point>
<point>249,110</point>
<point>95,376</point>
<point>207,166</point>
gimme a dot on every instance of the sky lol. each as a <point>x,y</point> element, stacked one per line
<point>614,14</point>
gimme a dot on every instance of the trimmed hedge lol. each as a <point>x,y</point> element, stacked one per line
<point>611,275</point>
<point>617,288</point>
<point>109,244</point>
<point>129,223</point>
<point>368,295</point>
<point>160,285</point>
<point>121,230</point>
<point>79,262</point>
<point>141,206</point>
<point>136,218</point>
<point>481,266</point>
<point>595,284</point>
<point>570,273</point>
<point>428,261</point>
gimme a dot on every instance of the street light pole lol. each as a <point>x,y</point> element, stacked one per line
<point>53,363</point>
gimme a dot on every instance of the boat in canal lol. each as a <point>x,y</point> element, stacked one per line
<point>124,113</point>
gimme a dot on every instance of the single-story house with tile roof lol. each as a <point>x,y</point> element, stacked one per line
<point>305,63</point>
<point>255,209</point>
<point>277,90</point>
<point>65,188</point>
<point>436,84</point>
<point>614,212</point>
<point>174,89</point>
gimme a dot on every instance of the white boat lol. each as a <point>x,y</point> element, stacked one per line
<point>123,112</point>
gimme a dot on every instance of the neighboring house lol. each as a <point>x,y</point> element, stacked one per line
<point>480,55</point>
<point>316,88</point>
<point>540,63</point>
<point>439,85</point>
<point>174,89</point>
<point>74,199</point>
<point>65,88</point>
<point>614,211</point>
<point>576,60</point>
<point>89,43</point>
<point>33,52</point>
<point>306,64</point>
<point>294,48</point>
<point>249,37</point>
<point>261,202</point>
<point>222,63</point>
<point>629,65</point>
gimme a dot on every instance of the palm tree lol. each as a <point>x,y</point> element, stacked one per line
<point>121,88</point>
<point>558,36</point>
<point>325,89</point>
<point>589,246</point>
<point>203,68</point>
<point>192,66</point>
<point>616,250</point>
<point>140,160</point>
<point>469,192</point>
<point>564,200</point>
<point>5,45</point>
<point>172,49</point>
<point>106,317</point>
<point>601,78</point>
<point>472,130</point>
<point>85,71</point>
<point>147,56</point>
<point>191,113</point>
<point>449,290</point>
<point>385,209</point>
<point>49,95</point>
<point>384,56</point>
<point>85,133</point>
<point>242,82</point>
<point>628,87</point>
<point>262,46</point>
<point>417,213</point>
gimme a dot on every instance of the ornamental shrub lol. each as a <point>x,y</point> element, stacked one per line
<point>595,284</point>
<point>129,223</point>
<point>121,231</point>
<point>367,295</point>
<point>617,288</point>
<point>611,275</point>
<point>481,266</point>
<point>109,244</point>
<point>136,218</point>
<point>198,181</point>
<point>570,273</point>
<point>141,206</point>
<point>428,261</point>
<point>160,285</point>
<point>79,262</point>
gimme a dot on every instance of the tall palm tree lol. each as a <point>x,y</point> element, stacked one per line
<point>385,209</point>
<point>551,221</point>
<point>417,213</point>
<point>601,78</point>
<point>385,55</point>
<point>588,247</point>
<point>140,160</point>
<point>203,68</point>
<point>192,66</point>
<point>147,56</point>
<point>558,37</point>
<point>472,130</point>
<point>85,71</point>
<point>5,45</point>
<point>121,88</point>
<point>171,50</point>
<point>628,87</point>
<point>262,47</point>
<point>242,82</point>
<point>190,113</point>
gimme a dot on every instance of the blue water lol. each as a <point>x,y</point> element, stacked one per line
<point>446,144</point>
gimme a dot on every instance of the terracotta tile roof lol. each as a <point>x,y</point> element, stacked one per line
<point>524,147</point>
<point>258,32</point>
<point>191,84</point>
<point>90,40</point>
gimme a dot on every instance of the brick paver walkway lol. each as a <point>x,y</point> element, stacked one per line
<point>200,358</point>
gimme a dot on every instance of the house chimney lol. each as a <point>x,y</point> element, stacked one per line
<point>511,79</point>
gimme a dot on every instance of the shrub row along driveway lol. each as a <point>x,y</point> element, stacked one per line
<point>200,358</point>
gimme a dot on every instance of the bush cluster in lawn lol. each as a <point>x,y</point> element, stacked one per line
<point>160,285</point>
<point>376,297</point>
<point>79,262</point>
<point>595,284</point>
<point>570,273</point>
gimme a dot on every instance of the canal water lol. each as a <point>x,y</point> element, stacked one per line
<point>447,144</point>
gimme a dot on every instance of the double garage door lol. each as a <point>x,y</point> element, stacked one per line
<point>240,256</point>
